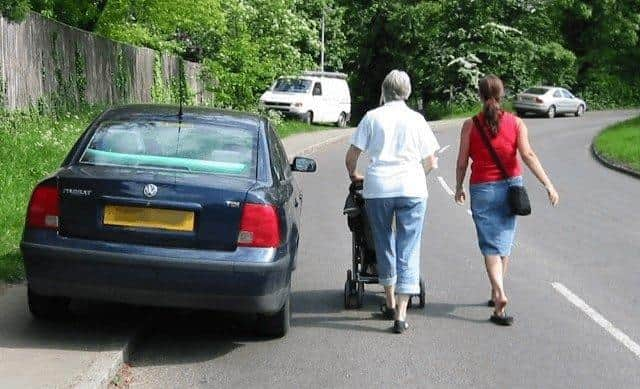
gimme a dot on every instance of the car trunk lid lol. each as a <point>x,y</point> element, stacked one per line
<point>151,207</point>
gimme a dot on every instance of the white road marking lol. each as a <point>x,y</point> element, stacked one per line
<point>598,318</point>
<point>445,186</point>
<point>442,150</point>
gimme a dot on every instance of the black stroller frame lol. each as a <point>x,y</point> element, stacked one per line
<point>363,258</point>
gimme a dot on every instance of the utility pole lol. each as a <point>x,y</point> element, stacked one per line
<point>322,44</point>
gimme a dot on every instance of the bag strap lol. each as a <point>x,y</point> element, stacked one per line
<point>492,151</point>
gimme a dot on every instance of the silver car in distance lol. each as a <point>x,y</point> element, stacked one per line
<point>549,101</point>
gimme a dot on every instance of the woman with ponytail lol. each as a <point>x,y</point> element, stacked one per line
<point>489,183</point>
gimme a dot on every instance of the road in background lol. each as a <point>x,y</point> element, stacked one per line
<point>590,244</point>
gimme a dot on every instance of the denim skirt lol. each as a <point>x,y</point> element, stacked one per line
<point>495,224</point>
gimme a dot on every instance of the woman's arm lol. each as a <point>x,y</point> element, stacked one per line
<point>351,161</point>
<point>463,162</point>
<point>530,159</point>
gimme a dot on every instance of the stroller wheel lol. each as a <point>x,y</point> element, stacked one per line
<point>360,294</point>
<point>350,292</point>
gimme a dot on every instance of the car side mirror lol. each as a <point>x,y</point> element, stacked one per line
<point>304,165</point>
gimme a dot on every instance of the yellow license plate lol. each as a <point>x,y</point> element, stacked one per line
<point>141,217</point>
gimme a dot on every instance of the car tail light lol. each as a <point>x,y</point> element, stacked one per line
<point>539,100</point>
<point>44,207</point>
<point>259,226</point>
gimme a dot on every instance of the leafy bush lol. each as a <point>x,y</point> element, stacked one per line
<point>605,91</point>
<point>14,10</point>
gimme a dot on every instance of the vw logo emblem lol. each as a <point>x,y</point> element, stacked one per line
<point>150,190</point>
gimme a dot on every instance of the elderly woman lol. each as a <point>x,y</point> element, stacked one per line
<point>401,146</point>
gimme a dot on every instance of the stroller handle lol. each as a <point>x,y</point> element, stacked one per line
<point>356,185</point>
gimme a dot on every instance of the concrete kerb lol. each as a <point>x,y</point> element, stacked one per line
<point>611,164</point>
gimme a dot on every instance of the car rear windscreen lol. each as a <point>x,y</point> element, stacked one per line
<point>167,145</point>
<point>537,91</point>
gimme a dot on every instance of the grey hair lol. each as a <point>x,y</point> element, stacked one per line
<point>396,86</point>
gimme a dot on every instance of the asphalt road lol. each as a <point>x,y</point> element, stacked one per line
<point>590,244</point>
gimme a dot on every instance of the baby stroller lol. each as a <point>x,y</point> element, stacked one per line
<point>363,262</point>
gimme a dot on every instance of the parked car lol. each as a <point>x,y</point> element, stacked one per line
<point>153,208</point>
<point>549,101</point>
<point>314,97</point>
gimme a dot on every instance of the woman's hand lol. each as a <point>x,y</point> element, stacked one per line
<point>356,177</point>
<point>554,197</point>
<point>461,196</point>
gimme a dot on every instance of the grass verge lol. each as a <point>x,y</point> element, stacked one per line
<point>620,143</point>
<point>291,127</point>
<point>33,146</point>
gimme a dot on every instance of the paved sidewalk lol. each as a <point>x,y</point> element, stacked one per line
<point>84,351</point>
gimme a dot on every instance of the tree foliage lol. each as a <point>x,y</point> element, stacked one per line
<point>591,46</point>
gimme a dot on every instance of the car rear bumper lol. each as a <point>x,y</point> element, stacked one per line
<point>149,276</point>
<point>530,107</point>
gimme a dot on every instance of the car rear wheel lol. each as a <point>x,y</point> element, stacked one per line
<point>342,120</point>
<point>276,325</point>
<point>580,110</point>
<point>47,307</point>
<point>551,113</point>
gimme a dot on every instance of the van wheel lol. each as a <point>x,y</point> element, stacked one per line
<point>47,307</point>
<point>307,118</point>
<point>342,120</point>
<point>276,325</point>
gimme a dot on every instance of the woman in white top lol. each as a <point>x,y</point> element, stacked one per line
<point>401,146</point>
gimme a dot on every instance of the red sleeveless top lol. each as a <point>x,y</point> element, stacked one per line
<point>483,167</point>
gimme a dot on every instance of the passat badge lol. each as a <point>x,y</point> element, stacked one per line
<point>150,190</point>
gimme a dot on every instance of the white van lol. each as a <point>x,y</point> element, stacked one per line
<point>314,97</point>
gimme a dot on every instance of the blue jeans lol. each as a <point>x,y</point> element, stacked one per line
<point>398,254</point>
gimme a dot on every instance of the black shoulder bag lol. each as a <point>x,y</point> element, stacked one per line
<point>517,195</point>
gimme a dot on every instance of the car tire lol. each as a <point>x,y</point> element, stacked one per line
<point>276,325</point>
<point>47,307</point>
<point>551,113</point>
<point>580,110</point>
<point>342,120</point>
<point>307,118</point>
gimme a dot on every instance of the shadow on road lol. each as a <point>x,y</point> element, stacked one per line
<point>448,311</point>
<point>177,336</point>
<point>325,309</point>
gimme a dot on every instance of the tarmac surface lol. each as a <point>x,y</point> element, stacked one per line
<point>574,288</point>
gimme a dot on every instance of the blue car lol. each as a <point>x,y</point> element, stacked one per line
<point>153,206</point>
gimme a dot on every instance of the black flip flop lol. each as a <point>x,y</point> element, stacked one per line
<point>399,326</point>
<point>501,320</point>
<point>387,313</point>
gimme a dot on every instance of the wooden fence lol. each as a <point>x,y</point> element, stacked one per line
<point>49,64</point>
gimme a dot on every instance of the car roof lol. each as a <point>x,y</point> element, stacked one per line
<point>189,114</point>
